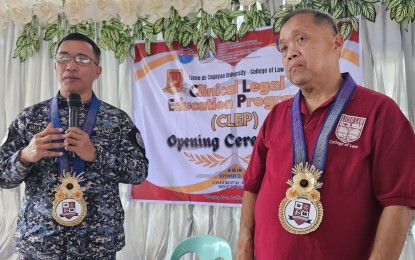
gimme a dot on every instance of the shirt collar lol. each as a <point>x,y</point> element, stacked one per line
<point>346,77</point>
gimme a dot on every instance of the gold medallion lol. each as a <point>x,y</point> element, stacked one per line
<point>69,206</point>
<point>301,211</point>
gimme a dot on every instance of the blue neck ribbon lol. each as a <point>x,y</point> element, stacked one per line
<point>88,126</point>
<point>320,149</point>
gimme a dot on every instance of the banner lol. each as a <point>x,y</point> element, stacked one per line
<point>199,117</point>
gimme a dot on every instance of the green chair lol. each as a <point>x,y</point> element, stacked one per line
<point>205,247</point>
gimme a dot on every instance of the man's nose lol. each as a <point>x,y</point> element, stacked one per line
<point>293,52</point>
<point>71,65</point>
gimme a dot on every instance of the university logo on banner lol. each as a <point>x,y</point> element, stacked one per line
<point>199,116</point>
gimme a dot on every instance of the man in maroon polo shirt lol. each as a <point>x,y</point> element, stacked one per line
<point>331,174</point>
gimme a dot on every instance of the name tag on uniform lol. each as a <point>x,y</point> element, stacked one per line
<point>106,131</point>
<point>34,129</point>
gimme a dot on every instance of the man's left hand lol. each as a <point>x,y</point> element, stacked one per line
<point>78,141</point>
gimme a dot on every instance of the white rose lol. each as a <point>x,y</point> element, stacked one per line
<point>47,12</point>
<point>156,9</point>
<point>55,2</point>
<point>4,16</point>
<point>100,10</point>
<point>247,2</point>
<point>21,15</point>
<point>186,7</point>
<point>16,3</point>
<point>75,11</point>
<point>129,11</point>
<point>212,6</point>
<point>292,2</point>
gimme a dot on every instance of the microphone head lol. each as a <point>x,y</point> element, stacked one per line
<point>74,100</point>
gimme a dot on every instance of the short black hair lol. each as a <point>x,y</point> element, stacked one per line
<point>319,18</point>
<point>84,38</point>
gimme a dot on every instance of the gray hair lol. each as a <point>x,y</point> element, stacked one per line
<point>319,18</point>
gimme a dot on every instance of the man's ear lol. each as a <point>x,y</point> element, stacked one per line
<point>98,71</point>
<point>338,42</point>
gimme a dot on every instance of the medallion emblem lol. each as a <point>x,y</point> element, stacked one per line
<point>301,211</point>
<point>69,206</point>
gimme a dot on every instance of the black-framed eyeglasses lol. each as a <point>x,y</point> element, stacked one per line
<point>80,59</point>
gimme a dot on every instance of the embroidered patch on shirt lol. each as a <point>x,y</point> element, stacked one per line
<point>350,128</point>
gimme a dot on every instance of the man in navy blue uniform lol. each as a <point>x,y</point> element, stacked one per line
<point>71,208</point>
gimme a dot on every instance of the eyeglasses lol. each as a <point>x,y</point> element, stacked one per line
<point>299,40</point>
<point>80,59</point>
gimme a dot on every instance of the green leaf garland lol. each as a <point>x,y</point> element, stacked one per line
<point>227,25</point>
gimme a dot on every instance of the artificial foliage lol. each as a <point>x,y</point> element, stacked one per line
<point>198,28</point>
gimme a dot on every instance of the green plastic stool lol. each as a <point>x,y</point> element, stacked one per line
<point>205,247</point>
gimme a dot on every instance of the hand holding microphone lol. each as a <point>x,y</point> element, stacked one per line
<point>77,141</point>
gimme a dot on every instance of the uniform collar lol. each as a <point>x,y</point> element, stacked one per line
<point>62,103</point>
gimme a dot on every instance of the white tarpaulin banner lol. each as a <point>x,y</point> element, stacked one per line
<point>199,117</point>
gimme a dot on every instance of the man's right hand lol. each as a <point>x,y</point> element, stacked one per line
<point>245,253</point>
<point>245,250</point>
<point>41,145</point>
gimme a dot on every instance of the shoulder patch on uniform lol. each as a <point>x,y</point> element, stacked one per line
<point>135,137</point>
<point>11,132</point>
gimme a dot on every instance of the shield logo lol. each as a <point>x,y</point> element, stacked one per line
<point>350,128</point>
<point>69,210</point>
<point>174,82</point>
<point>301,212</point>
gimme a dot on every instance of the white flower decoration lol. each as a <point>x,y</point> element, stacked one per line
<point>156,9</point>
<point>75,11</point>
<point>17,3</point>
<point>212,6</point>
<point>21,14</point>
<point>186,7</point>
<point>100,10</point>
<point>292,2</point>
<point>129,11</point>
<point>247,2</point>
<point>55,2</point>
<point>4,16</point>
<point>47,11</point>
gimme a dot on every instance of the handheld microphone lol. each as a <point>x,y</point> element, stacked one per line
<point>74,103</point>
